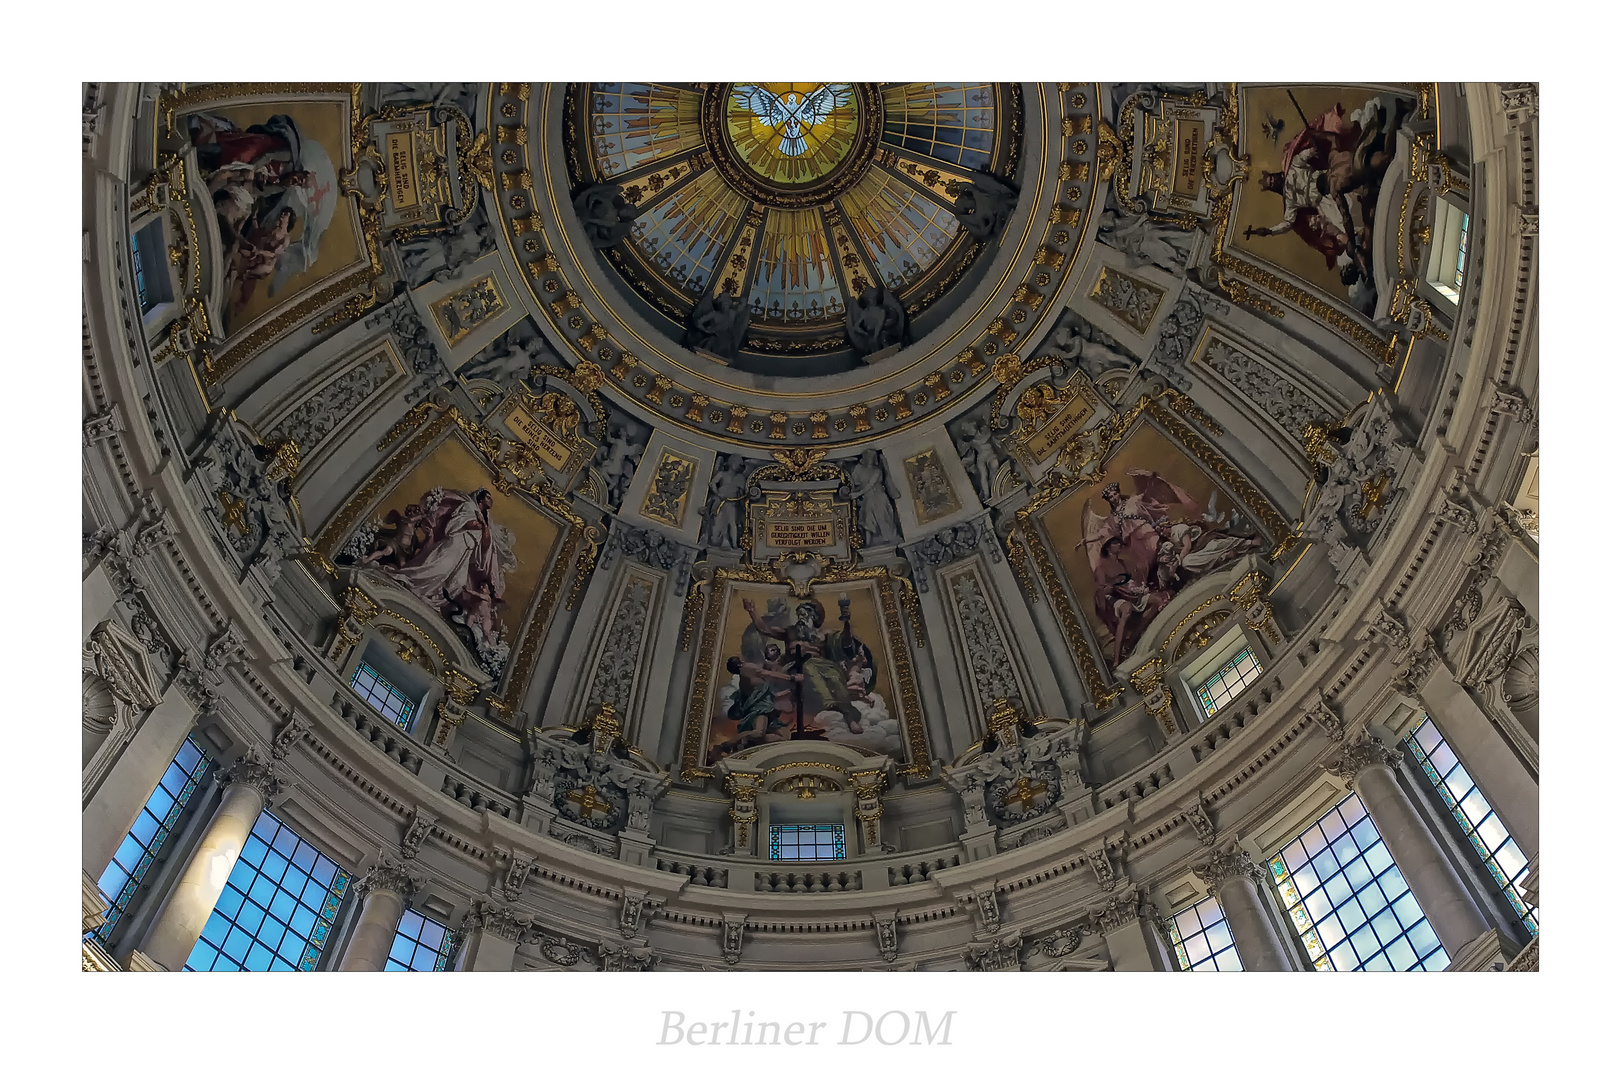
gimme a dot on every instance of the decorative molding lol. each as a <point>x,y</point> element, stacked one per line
<point>1366,753</point>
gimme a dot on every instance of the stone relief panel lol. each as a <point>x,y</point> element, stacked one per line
<point>319,419</point>
<point>619,657</point>
<point>984,645</point>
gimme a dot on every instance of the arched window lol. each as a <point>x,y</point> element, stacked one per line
<point>1348,900</point>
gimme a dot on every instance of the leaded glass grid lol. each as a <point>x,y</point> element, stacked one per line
<point>277,910</point>
<point>1486,833</point>
<point>151,830</point>
<point>140,275</point>
<point>420,944</point>
<point>1201,939</point>
<point>382,695</point>
<point>807,843</point>
<point>1349,902</point>
<point>1232,677</point>
<point>1464,242</point>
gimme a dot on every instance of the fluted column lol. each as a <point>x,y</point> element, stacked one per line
<point>1370,767</point>
<point>1236,882</point>
<point>385,891</point>
<point>249,785</point>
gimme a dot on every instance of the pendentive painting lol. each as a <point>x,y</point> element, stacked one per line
<point>272,170</point>
<point>1153,526</point>
<point>444,534</point>
<point>1318,155</point>
<point>816,668</point>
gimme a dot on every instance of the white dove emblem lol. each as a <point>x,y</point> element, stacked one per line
<point>791,115</point>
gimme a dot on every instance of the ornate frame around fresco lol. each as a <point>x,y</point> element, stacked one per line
<point>1167,410</point>
<point>697,721</point>
<point>1228,266</point>
<point>363,275</point>
<point>498,455</point>
<point>1017,311</point>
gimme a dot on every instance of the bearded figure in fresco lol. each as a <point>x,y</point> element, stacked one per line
<point>446,550</point>
<point>791,669</point>
<point>1329,178</point>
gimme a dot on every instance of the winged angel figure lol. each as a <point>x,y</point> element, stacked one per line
<point>792,115</point>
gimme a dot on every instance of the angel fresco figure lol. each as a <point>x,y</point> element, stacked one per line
<point>274,191</point>
<point>1148,548</point>
<point>446,550</point>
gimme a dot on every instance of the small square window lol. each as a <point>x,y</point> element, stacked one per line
<point>807,843</point>
<point>420,944</point>
<point>382,695</point>
<point>1223,685</point>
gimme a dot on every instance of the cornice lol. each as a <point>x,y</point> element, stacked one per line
<point>1152,829</point>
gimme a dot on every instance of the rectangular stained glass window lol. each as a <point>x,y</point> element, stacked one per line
<point>151,830</point>
<point>420,944</point>
<point>1224,685</point>
<point>1474,815</point>
<point>1464,242</point>
<point>1199,934</point>
<point>136,261</point>
<point>277,910</point>
<point>807,843</point>
<point>381,695</point>
<point>1348,900</point>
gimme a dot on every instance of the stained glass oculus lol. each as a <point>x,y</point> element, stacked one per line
<point>794,197</point>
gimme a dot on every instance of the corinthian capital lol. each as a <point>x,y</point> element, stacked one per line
<point>1366,753</point>
<point>256,772</point>
<point>390,876</point>
<point>1225,866</point>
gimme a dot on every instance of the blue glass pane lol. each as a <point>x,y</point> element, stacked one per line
<point>1401,955</point>
<point>202,957</point>
<point>243,874</point>
<point>269,929</point>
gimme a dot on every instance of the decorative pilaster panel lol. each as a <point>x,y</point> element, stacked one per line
<point>986,652</point>
<point>616,663</point>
